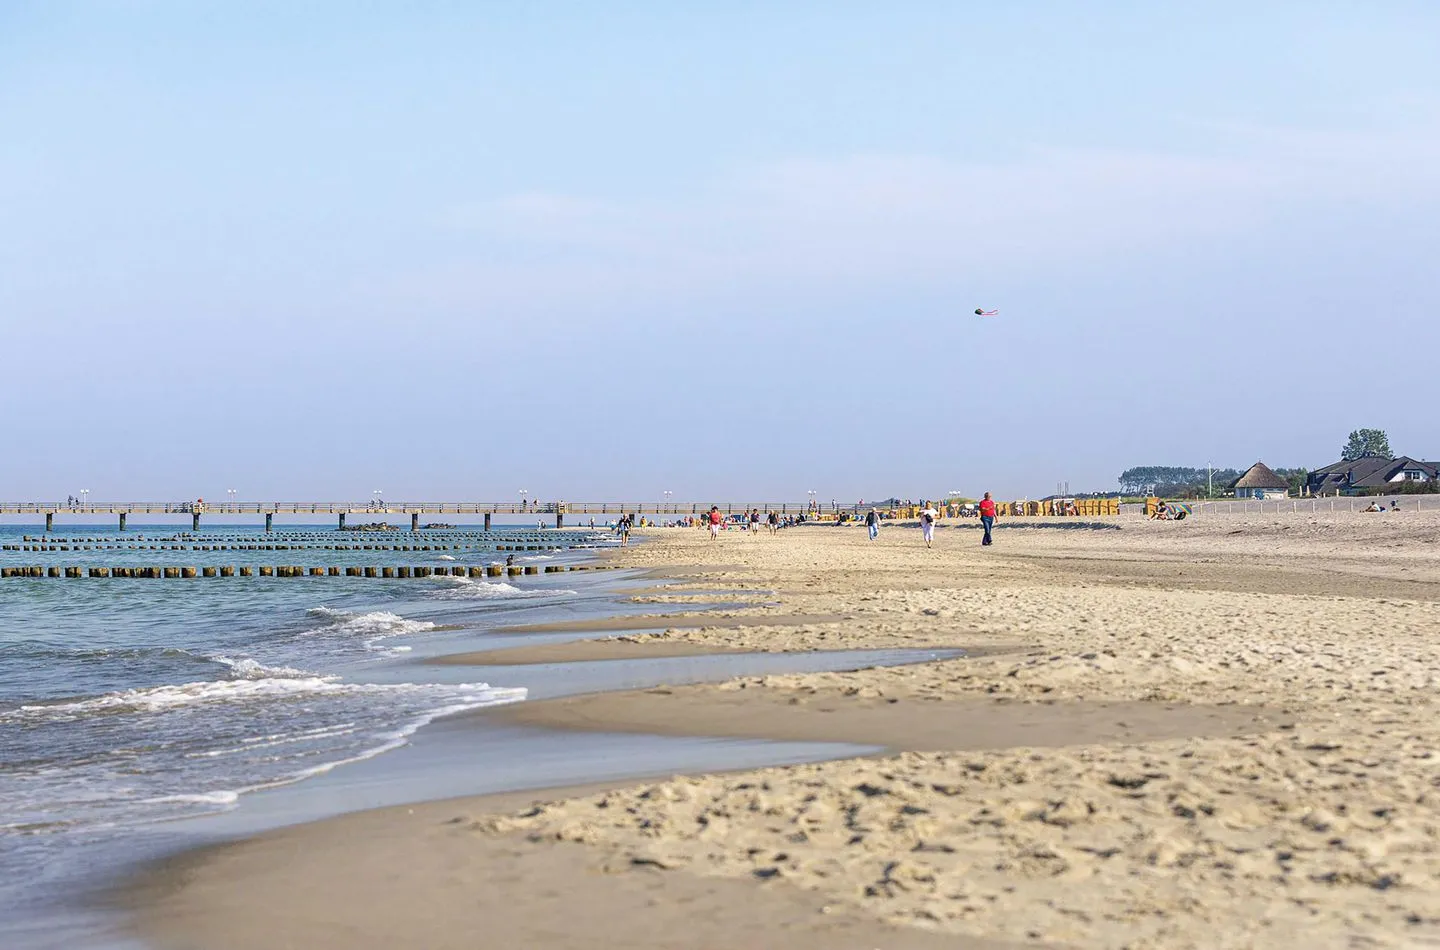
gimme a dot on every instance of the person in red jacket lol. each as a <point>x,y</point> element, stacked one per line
<point>987,516</point>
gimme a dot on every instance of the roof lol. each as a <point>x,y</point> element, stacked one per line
<point>1259,475</point>
<point>1383,475</point>
<point>1370,471</point>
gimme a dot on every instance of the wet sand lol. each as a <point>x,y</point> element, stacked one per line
<point>716,620</point>
<point>579,651</point>
<point>838,715</point>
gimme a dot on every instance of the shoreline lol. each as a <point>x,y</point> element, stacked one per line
<point>1106,716</point>
<point>895,725</point>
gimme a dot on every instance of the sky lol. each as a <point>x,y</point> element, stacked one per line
<point>726,250</point>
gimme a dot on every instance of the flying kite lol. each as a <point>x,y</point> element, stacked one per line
<point>985,313</point>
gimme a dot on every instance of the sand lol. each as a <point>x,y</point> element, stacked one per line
<point>716,620</point>
<point>579,651</point>
<point>1274,783</point>
<point>418,876</point>
<point>841,715</point>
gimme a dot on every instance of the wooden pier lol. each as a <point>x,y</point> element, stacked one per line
<point>415,509</point>
<point>156,572</point>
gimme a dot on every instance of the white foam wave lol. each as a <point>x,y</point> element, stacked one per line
<point>463,588</point>
<point>373,627</point>
<point>446,557</point>
<point>164,698</point>
<point>380,622</point>
<point>160,698</point>
<point>222,797</point>
<point>245,668</point>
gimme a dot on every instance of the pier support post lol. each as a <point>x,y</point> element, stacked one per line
<point>487,521</point>
<point>415,521</point>
<point>195,521</point>
<point>122,521</point>
<point>49,521</point>
<point>342,521</point>
<point>559,519</point>
<point>269,521</point>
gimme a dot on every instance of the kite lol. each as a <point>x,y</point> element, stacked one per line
<point>985,313</point>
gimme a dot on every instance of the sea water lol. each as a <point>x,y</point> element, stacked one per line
<point>126,704</point>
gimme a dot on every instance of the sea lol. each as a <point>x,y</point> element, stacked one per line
<point>127,704</point>
<point>141,717</point>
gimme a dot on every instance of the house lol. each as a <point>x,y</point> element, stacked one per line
<point>1369,473</point>
<point>1260,482</point>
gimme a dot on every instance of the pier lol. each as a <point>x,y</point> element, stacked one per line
<point>341,509</point>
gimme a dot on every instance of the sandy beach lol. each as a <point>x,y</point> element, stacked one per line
<point>1214,733</point>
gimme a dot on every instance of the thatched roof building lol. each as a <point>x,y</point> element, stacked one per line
<point>1260,482</point>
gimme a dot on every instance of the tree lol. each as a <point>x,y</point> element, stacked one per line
<point>1297,477</point>
<point>1174,481</point>
<point>1367,442</point>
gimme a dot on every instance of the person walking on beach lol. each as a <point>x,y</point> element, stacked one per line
<point>927,523</point>
<point>714,522</point>
<point>625,531</point>
<point>987,516</point>
<point>872,524</point>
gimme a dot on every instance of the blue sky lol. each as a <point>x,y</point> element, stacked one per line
<point>607,250</point>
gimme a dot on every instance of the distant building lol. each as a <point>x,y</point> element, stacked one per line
<point>1260,482</point>
<point>1369,473</point>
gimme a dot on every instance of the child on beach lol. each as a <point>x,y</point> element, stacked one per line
<point>927,523</point>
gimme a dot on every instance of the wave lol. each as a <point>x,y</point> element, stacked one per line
<point>165,698</point>
<point>375,622</point>
<point>224,796</point>
<point>162,698</point>
<point>245,668</point>
<point>374,627</point>
<point>463,588</point>
<point>41,650</point>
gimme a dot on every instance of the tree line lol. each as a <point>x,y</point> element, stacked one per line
<point>1179,481</point>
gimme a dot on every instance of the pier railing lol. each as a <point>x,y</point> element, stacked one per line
<point>402,507</point>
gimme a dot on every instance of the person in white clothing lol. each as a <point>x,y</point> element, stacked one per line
<point>928,517</point>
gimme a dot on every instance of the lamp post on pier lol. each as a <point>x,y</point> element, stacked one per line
<point>231,493</point>
<point>523,493</point>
